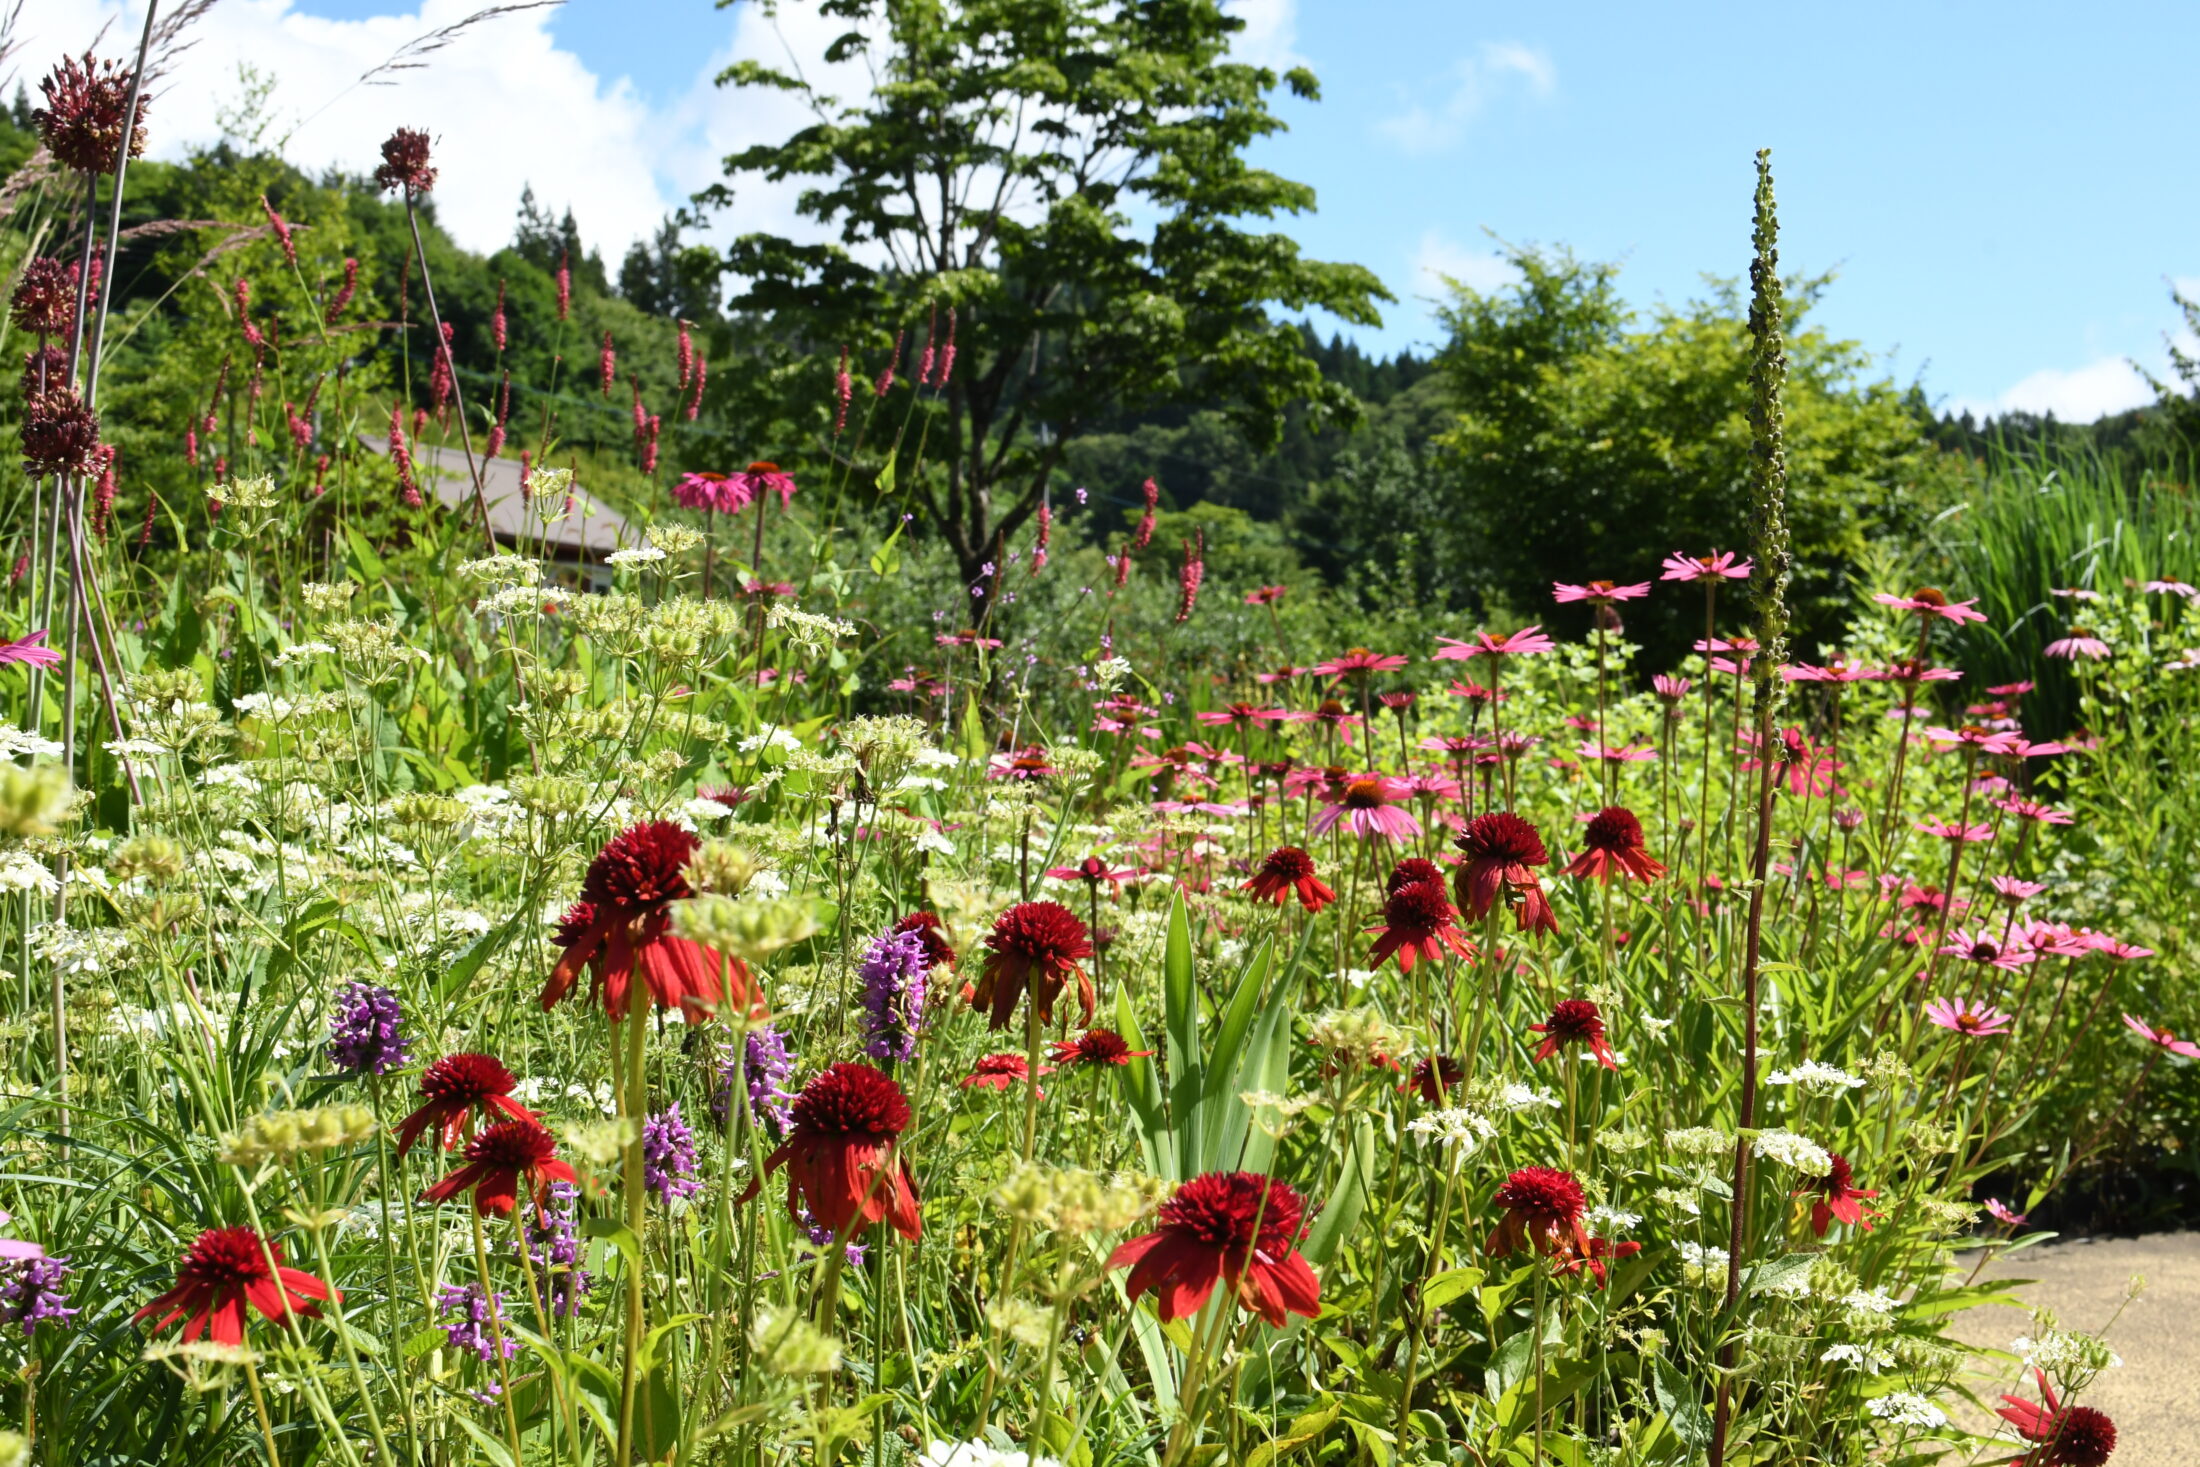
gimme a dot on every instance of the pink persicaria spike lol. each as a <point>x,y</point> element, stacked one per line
<point>565,286</point>
<point>607,365</point>
<point>497,325</point>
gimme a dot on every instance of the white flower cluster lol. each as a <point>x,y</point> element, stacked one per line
<point>1859,1357</point>
<point>979,1454</point>
<point>21,871</point>
<point>1517,1097</point>
<point>1907,1408</point>
<point>1797,1153</point>
<point>1816,1079</point>
<point>1458,1126</point>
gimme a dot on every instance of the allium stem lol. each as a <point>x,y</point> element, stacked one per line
<point>458,398</point>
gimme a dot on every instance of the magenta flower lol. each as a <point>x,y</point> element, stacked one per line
<point>1597,593</point>
<point>1368,806</point>
<point>1359,661</point>
<point>761,478</point>
<point>2080,643</point>
<point>1839,670</point>
<point>1723,565</point>
<point>1929,603</point>
<point>1970,736</point>
<point>1976,1021</point>
<point>1590,750</point>
<point>1984,947</point>
<point>2172,588</point>
<point>26,648</point>
<point>1518,644</point>
<point>2015,892</point>
<point>1672,689</point>
<point>1948,830</point>
<point>1915,672</point>
<point>2001,1212</point>
<point>712,493</point>
<point>2033,810</point>
<point>2162,1037</point>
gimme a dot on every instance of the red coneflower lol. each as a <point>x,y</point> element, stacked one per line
<point>938,952</point>
<point>1838,1198</point>
<point>1434,1078</point>
<point>1574,1021</point>
<point>1289,871</point>
<point>1419,921</point>
<point>452,1088</point>
<point>1239,1227</point>
<point>499,1161</point>
<point>1035,944</point>
<point>1503,852</point>
<point>1600,1254</point>
<point>1409,871</point>
<point>1543,1208</point>
<point>222,1271</point>
<point>840,1154</point>
<point>999,1071</point>
<point>623,922</point>
<point>1098,1047</point>
<point>2063,1436</point>
<point>1611,844</point>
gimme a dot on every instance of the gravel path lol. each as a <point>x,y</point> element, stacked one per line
<point>2154,1399</point>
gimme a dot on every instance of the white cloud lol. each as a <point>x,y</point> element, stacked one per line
<point>2077,395</point>
<point>505,105</point>
<point>1499,68</point>
<point>1271,33</point>
<point>1439,256</point>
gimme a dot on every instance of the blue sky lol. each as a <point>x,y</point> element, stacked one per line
<point>2004,190</point>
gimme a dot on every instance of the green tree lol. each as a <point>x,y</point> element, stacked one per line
<point>995,170</point>
<point>1587,444</point>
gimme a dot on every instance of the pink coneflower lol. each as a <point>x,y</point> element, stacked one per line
<point>1092,871</point>
<point>1597,593</point>
<point>1737,666</point>
<point>2014,891</point>
<point>762,477</point>
<point>1971,736</point>
<point>1359,662</point>
<point>1632,754</point>
<point>26,649</point>
<point>1950,831</point>
<point>2121,951</point>
<point>1477,693</point>
<point>1912,671</point>
<point>1983,947</point>
<point>2022,748</point>
<point>1265,595</point>
<point>2001,1212</point>
<point>1502,854</point>
<point>2079,643</point>
<point>1240,715</point>
<point>1526,641</point>
<point>2162,1037</point>
<point>1929,603</point>
<point>1368,807</point>
<point>1722,565</point>
<point>2033,810</point>
<point>1838,1198</point>
<point>1419,921</point>
<point>1670,688</point>
<point>1574,1021</point>
<point>2011,690</point>
<point>2171,588</point>
<point>1027,763</point>
<point>1283,674</point>
<point>1838,670</point>
<point>1612,845</point>
<point>1973,1020</point>
<point>1287,872</point>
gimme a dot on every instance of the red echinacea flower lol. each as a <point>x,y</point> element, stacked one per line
<point>623,923</point>
<point>451,1089</point>
<point>1434,1078</point>
<point>1419,921</point>
<point>999,1071</point>
<point>1543,1208</point>
<point>1502,853</point>
<point>1596,1259</point>
<point>1574,1021</point>
<point>1839,1198</point>
<point>222,1271</point>
<point>2062,1436</point>
<point>499,1162</point>
<point>1611,844</point>
<point>841,1157</point>
<point>1039,945</point>
<point>1097,1047</point>
<point>938,952</point>
<point>1289,872</point>
<point>1239,1227</point>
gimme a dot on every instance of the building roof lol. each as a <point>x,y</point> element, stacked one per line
<point>592,531</point>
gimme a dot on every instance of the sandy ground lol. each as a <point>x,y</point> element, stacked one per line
<point>2154,1399</point>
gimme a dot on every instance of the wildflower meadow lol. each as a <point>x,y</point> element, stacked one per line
<point>854,947</point>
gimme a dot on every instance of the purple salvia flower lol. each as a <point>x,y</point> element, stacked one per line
<point>554,1246</point>
<point>822,1236</point>
<point>30,1290</point>
<point>893,995</point>
<point>668,1156</point>
<point>466,1314</point>
<point>366,1036</point>
<point>766,1066</point>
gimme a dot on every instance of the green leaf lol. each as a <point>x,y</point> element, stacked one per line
<point>1180,1017</point>
<point>1764,1278</point>
<point>617,1234</point>
<point>1347,1199</point>
<point>1305,1428</point>
<point>1449,1285</point>
<point>1139,1082</point>
<point>364,562</point>
<point>496,1450</point>
<point>886,560</point>
<point>1677,1399</point>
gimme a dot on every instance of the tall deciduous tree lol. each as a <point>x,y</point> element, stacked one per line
<point>1070,177</point>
